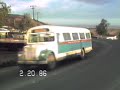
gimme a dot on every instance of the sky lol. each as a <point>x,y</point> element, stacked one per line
<point>70,12</point>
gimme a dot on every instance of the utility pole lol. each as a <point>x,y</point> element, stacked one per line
<point>38,18</point>
<point>33,8</point>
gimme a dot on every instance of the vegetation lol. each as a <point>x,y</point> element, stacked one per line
<point>119,35</point>
<point>22,22</point>
<point>4,10</point>
<point>25,23</point>
<point>14,21</point>
<point>101,29</point>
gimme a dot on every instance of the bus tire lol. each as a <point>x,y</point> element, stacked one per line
<point>82,54</point>
<point>51,62</point>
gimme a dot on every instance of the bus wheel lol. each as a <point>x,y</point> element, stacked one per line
<point>82,54</point>
<point>51,62</point>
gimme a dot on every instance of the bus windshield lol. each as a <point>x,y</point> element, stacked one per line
<point>33,38</point>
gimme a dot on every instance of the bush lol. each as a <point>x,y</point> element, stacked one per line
<point>119,35</point>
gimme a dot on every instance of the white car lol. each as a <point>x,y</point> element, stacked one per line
<point>112,37</point>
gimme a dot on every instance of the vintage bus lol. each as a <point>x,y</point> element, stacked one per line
<point>11,40</point>
<point>48,44</point>
<point>3,33</point>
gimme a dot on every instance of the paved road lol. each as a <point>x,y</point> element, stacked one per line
<point>99,71</point>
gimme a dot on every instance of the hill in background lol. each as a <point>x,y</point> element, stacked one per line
<point>17,21</point>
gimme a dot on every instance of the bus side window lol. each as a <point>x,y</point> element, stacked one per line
<point>82,35</point>
<point>66,36</point>
<point>88,35</point>
<point>75,36</point>
<point>50,38</point>
<point>33,38</point>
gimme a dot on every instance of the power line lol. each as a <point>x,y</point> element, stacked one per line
<point>38,15</point>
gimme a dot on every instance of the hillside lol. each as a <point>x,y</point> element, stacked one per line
<point>13,19</point>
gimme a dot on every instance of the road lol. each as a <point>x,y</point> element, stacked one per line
<point>99,71</point>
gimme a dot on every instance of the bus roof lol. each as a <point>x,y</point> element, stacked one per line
<point>59,29</point>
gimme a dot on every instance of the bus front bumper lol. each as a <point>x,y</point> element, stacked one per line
<point>32,62</point>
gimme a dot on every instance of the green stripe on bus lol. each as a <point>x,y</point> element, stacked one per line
<point>71,47</point>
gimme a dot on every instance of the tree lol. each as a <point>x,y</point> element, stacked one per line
<point>101,29</point>
<point>28,22</point>
<point>4,11</point>
<point>25,23</point>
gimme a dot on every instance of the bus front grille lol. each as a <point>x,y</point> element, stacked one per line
<point>30,53</point>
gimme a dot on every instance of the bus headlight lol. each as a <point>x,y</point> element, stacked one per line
<point>42,55</point>
<point>19,55</point>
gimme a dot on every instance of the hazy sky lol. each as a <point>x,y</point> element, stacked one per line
<point>70,12</point>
